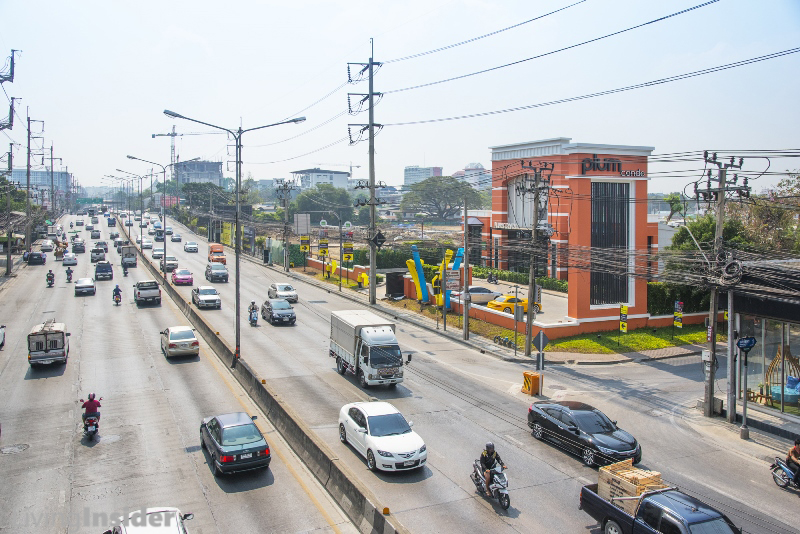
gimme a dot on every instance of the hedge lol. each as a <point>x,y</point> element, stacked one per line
<point>553,284</point>
<point>661,298</point>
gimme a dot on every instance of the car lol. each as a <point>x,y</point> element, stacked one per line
<point>46,246</point>
<point>169,263</point>
<point>159,235</point>
<point>97,254</point>
<point>179,341</point>
<point>103,270</point>
<point>176,238</point>
<point>128,222</point>
<point>137,218</point>
<point>278,311</point>
<point>78,246</point>
<point>234,443</point>
<point>216,271</point>
<point>138,239</point>
<point>583,430</point>
<point>101,244</point>
<point>89,227</point>
<point>507,304</point>
<point>380,433</point>
<point>206,297</point>
<point>282,291</point>
<point>182,277</point>
<point>158,253</point>
<point>95,220</point>
<point>151,231</point>
<point>95,234</point>
<point>157,225</point>
<point>478,294</point>
<point>161,520</point>
<point>70,259</point>
<point>85,286</point>
<point>146,243</point>
<point>123,215</point>
<point>113,235</point>
<point>37,258</point>
<point>143,224</point>
<point>79,222</point>
<point>191,246</point>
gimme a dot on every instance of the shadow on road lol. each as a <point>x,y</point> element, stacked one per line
<point>45,371</point>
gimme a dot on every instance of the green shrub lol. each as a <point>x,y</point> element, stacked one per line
<point>553,284</point>
<point>202,230</point>
<point>661,298</point>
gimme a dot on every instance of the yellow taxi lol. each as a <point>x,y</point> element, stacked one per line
<point>507,303</point>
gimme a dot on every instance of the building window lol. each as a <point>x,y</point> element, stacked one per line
<point>610,230</point>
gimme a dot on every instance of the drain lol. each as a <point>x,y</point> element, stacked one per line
<point>14,449</point>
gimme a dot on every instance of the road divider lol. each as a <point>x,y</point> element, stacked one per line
<point>360,505</point>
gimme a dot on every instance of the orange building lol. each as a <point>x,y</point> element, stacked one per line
<point>595,214</point>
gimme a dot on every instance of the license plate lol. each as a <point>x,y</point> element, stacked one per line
<point>245,456</point>
<point>409,462</point>
<point>184,345</point>
<point>91,429</point>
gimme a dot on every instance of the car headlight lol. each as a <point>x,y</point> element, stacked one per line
<point>423,449</point>
<point>384,453</point>
<point>605,450</point>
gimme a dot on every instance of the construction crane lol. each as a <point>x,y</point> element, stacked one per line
<point>342,165</point>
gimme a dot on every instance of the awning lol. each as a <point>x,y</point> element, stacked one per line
<point>472,221</point>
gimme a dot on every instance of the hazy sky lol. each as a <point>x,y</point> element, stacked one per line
<point>101,73</point>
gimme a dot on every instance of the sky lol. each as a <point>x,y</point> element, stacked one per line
<point>100,74</point>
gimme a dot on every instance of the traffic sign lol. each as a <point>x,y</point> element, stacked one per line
<point>452,279</point>
<point>540,341</point>
<point>726,315</point>
<point>623,315</point>
<point>746,343</point>
<point>379,239</point>
<point>304,243</point>
<point>347,252</point>
<point>623,327</point>
<point>677,319</point>
<point>323,222</point>
<point>347,224</point>
<point>323,247</point>
<point>678,306</point>
<point>85,200</point>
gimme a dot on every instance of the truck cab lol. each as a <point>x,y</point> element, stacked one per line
<point>216,254</point>
<point>48,343</point>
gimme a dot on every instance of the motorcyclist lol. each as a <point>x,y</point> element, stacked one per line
<point>793,460</point>
<point>50,276</point>
<point>70,225</point>
<point>489,459</point>
<point>91,407</point>
<point>124,270</point>
<point>252,308</point>
<point>117,292</point>
<point>69,273</point>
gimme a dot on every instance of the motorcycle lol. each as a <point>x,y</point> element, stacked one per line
<point>498,485</point>
<point>70,225</point>
<point>782,474</point>
<point>117,299</point>
<point>69,276</point>
<point>91,424</point>
<point>50,281</point>
<point>253,318</point>
<point>491,278</point>
<point>124,271</point>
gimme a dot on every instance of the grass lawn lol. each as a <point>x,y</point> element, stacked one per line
<point>635,341</point>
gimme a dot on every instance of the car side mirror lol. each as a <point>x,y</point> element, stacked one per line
<point>253,417</point>
<point>614,423</point>
<point>361,430</point>
<point>68,333</point>
<point>108,532</point>
<point>163,332</point>
<point>573,428</point>
<point>187,517</point>
<point>411,424</point>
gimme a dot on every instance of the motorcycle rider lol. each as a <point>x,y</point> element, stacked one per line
<point>50,276</point>
<point>91,407</point>
<point>69,274</point>
<point>70,225</point>
<point>489,459</point>
<point>793,460</point>
<point>117,292</point>
<point>252,308</point>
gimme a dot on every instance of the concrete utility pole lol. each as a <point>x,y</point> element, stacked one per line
<point>465,300</point>
<point>8,209</point>
<point>284,195</point>
<point>28,191</point>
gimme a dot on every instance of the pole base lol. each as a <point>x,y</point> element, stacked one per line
<point>744,432</point>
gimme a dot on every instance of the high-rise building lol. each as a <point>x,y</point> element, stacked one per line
<point>414,174</point>
<point>40,184</point>
<point>199,172</point>
<point>309,178</point>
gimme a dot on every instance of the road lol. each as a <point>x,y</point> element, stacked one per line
<point>459,399</point>
<point>148,453</point>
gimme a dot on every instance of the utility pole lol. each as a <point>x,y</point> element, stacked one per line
<point>9,235</point>
<point>719,193</point>
<point>465,299</point>
<point>28,191</point>
<point>52,184</point>
<point>284,195</point>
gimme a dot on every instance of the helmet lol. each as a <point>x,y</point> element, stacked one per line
<point>252,302</point>
<point>490,447</point>
<point>91,396</point>
<point>117,286</point>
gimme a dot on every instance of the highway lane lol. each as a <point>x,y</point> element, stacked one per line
<point>148,453</point>
<point>459,399</point>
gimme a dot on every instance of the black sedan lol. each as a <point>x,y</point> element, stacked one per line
<point>583,430</point>
<point>234,443</point>
<point>278,311</point>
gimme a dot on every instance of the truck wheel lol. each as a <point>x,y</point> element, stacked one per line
<point>362,380</point>
<point>612,527</point>
<point>340,366</point>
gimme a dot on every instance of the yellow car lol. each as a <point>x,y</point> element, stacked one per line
<point>507,303</point>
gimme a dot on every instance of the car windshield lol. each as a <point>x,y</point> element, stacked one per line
<point>191,244</point>
<point>280,305</point>
<point>385,356</point>
<point>391,424</point>
<point>593,422</point>
<point>180,335</point>
<point>84,281</point>
<point>715,526</point>
<point>285,287</point>
<point>217,267</point>
<point>208,291</point>
<point>240,435</point>
<point>183,272</point>
<point>171,258</point>
<point>217,253</point>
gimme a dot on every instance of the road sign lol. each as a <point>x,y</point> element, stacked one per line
<point>726,315</point>
<point>84,200</point>
<point>708,333</point>
<point>304,241</point>
<point>323,247</point>
<point>540,341</point>
<point>347,252</point>
<point>746,343</point>
<point>623,318</point>
<point>677,319</point>
<point>323,222</point>
<point>347,224</point>
<point>623,327</point>
<point>452,280</point>
<point>302,223</point>
<point>379,239</point>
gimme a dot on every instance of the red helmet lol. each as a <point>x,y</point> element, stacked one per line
<point>91,396</point>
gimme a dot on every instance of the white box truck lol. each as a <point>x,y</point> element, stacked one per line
<point>128,254</point>
<point>364,345</point>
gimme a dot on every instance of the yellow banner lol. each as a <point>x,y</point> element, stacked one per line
<point>226,235</point>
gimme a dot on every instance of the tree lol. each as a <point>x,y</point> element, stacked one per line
<point>320,200</point>
<point>363,216</point>
<point>703,229</point>
<point>675,201</point>
<point>440,196</point>
<point>203,194</point>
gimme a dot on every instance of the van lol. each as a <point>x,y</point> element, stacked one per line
<point>216,254</point>
<point>48,343</point>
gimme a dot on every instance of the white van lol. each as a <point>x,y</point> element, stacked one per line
<point>48,343</point>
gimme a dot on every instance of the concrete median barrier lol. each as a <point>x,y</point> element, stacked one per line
<point>355,499</point>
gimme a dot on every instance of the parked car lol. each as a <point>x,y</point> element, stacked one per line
<point>169,263</point>
<point>216,271</point>
<point>84,286</point>
<point>95,234</point>
<point>478,294</point>
<point>191,246</point>
<point>158,253</point>
<point>70,258</point>
<point>103,270</point>
<point>46,246</point>
<point>37,258</point>
<point>176,238</point>
<point>97,254</point>
<point>146,243</point>
<point>278,311</point>
<point>182,277</point>
<point>101,244</point>
<point>282,291</point>
<point>179,341</point>
<point>583,430</point>
<point>234,443</point>
<point>381,434</point>
<point>206,297</point>
<point>507,304</point>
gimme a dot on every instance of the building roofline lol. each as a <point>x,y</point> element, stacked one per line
<point>319,171</point>
<point>563,146</point>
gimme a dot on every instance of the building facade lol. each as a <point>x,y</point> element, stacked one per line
<point>199,172</point>
<point>475,175</point>
<point>40,184</point>
<point>309,178</point>
<point>415,174</point>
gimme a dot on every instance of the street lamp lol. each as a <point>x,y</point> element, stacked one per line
<point>237,135</point>
<point>141,208</point>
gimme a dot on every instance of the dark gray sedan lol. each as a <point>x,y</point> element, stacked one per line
<point>278,311</point>
<point>85,286</point>
<point>234,443</point>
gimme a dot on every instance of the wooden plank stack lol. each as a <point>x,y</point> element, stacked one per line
<point>623,480</point>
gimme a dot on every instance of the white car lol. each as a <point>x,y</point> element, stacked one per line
<point>97,254</point>
<point>70,259</point>
<point>146,243</point>
<point>164,520</point>
<point>138,239</point>
<point>190,246</point>
<point>179,341</point>
<point>478,294</point>
<point>381,434</point>
<point>282,291</point>
<point>158,253</point>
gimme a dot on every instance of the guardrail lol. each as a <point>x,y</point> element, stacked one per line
<point>360,505</point>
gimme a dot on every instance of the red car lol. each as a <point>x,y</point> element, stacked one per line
<point>182,277</point>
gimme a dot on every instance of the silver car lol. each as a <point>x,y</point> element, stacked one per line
<point>206,297</point>
<point>478,294</point>
<point>158,253</point>
<point>282,291</point>
<point>85,286</point>
<point>179,341</point>
<point>146,243</point>
<point>190,246</point>
<point>70,259</point>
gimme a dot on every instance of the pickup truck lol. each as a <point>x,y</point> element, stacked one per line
<point>146,291</point>
<point>666,511</point>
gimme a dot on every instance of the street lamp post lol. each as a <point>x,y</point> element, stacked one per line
<point>141,207</point>
<point>237,135</point>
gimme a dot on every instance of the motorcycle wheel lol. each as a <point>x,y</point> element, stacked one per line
<point>780,477</point>
<point>505,501</point>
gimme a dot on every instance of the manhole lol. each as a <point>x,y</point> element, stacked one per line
<point>109,439</point>
<point>14,449</point>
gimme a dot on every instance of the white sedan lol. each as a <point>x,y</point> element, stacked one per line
<point>146,243</point>
<point>70,259</point>
<point>190,246</point>
<point>382,435</point>
<point>478,294</point>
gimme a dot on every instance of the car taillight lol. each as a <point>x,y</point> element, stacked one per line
<point>159,292</point>
<point>265,452</point>
<point>530,408</point>
<point>195,343</point>
<point>173,346</point>
<point>225,459</point>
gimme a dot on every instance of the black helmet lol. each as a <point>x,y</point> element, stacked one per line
<point>91,396</point>
<point>490,447</point>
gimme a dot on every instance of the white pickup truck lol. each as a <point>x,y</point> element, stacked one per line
<point>146,291</point>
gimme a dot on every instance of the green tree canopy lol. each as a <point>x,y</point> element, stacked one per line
<point>202,194</point>
<point>440,196</point>
<point>675,201</point>
<point>320,200</point>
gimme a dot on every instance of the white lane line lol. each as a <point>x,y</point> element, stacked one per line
<point>514,440</point>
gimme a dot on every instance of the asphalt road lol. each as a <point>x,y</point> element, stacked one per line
<point>148,452</point>
<point>459,399</point>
